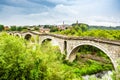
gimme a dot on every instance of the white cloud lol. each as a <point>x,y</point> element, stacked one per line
<point>87,11</point>
<point>103,20</point>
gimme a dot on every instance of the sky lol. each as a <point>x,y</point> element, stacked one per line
<point>36,12</point>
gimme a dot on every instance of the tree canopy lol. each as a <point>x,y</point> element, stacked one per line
<point>1,27</point>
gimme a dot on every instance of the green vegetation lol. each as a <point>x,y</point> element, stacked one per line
<point>116,75</point>
<point>1,27</point>
<point>104,27</point>
<point>21,60</point>
<point>19,28</point>
<point>86,31</point>
<point>93,59</point>
<point>13,28</point>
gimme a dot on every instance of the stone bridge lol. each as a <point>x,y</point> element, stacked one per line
<point>70,45</point>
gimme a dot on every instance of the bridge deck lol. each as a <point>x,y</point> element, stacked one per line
<point>101,40</point>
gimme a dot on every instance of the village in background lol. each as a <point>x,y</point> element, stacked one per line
<point>52,28</point>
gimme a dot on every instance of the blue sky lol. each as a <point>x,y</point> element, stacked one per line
<point>35,12</point>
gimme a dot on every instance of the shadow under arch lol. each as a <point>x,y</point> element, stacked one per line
<point>10,33</point>
<point>46,40</point>
<point>74,51</point>
<point>51,42</point>
<point>17,35</point>
<point>28,36</point>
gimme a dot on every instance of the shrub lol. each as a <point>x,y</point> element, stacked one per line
<point>17,61</point>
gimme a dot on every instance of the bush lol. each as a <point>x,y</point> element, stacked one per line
<point>18,62</point>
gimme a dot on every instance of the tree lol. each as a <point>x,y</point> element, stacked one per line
<point>36,28</point>
<point>53,29</point>
<point>19,28</point>
<point>84,27</point>
<point>13,28</point>
<point>77,27</point>
<point>46,26</point>
<point>81,26</point>
<point>24,28</point>
<point>1,27</point>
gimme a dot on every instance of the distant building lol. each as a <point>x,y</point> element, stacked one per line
<point>44,30</point>
<point>6,28</point>
<point>63,26</point>
<point>60,27</point>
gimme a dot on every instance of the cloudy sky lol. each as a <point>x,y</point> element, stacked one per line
<point>35,12</point>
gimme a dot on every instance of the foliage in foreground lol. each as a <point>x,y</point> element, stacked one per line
<point>17,61</point>
<point>21,60</point>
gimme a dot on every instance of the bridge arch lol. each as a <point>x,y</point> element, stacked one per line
<point>53,40</point>
<point>47,39</point>
<point>10,33</point>
<point>17,34</point>
<point>72,54</point>
<point>27,36</point>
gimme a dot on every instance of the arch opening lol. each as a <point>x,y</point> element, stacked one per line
<point>91,56</point>
<point>10,33</point>
<point>46,40</point>
<point>65,46</point>
<point>17,35</point>
<point>51,41</point>
<point>50,44</point>
<point>28,36</point>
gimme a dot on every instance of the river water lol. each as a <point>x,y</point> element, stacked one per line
<point>104,75</point>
